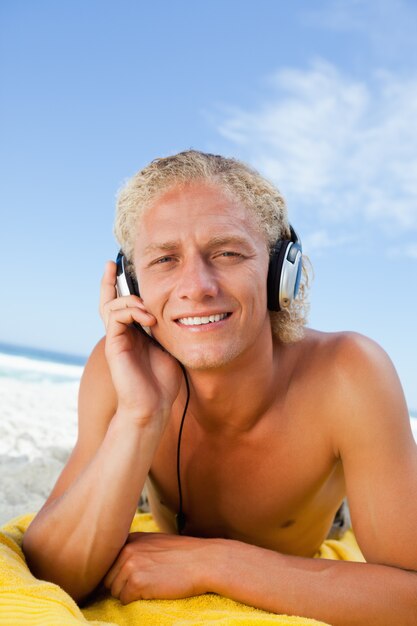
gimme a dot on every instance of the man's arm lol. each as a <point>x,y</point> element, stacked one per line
<point>123,410</point>
<point>339,593</point>
<point>372,435</point>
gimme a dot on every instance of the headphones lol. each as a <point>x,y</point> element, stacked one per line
<point>283,281</point>
<point>284,273</point>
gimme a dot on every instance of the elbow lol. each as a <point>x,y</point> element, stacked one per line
<point>51,565</point>
<point>32,553</point>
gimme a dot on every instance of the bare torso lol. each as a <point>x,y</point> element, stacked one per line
<point>277,485</point>
<point>274,437</point>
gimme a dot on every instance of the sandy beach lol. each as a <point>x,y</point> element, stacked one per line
<point>38,428</point>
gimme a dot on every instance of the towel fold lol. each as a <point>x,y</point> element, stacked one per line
<point>27,600</point>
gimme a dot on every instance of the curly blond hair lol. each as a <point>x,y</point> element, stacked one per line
<point>257,194</point>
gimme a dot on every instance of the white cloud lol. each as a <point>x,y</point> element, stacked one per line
<point>411,251</point>
<point>387,27</point>
<point>317,241</point>
<point>340,149</point>
<point>408,250</point>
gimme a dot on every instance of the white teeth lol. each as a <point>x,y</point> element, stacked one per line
<point>197,321</point>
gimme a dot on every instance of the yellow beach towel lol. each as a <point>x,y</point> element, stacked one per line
<point>25,600</point>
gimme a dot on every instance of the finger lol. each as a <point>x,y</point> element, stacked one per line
<point>119,572</point>
<point>123,557</point>
<point>123,302</point>
<point>108,283</point>
<point>118,320</point>
<point>118,584</point>
<point>123,595</point>
<point>109,300</point>
<point>113,572</point>
<point>108,291</point>
<point>132,589</point>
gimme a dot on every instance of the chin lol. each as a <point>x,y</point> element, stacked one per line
<point>207,359</point>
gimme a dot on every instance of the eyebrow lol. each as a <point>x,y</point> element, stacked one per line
<point>164,246</point>
<point>214,242</point>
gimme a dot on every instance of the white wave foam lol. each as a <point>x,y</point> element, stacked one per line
<point>24,367</point>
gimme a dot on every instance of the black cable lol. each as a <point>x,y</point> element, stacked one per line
<point>180,517</point>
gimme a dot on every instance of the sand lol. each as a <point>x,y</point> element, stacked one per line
<point>38,428</point>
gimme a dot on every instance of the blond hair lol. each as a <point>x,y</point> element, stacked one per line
<point>257,194</point>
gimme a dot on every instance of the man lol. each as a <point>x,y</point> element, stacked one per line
<point>282,423</point>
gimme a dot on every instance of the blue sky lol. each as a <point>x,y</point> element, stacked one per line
<point>319,96</point>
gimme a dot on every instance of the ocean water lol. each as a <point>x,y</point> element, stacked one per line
<point>31,364</point>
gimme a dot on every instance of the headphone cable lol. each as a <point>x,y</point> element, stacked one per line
<point>180,516</point>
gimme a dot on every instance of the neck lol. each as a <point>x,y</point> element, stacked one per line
<point>233,398</point>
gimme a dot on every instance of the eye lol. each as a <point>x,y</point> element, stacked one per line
<point>164,259</point>
<point>228,256</point>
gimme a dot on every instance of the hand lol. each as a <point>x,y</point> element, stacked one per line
<point>158,566</point>
<point>146,378</point>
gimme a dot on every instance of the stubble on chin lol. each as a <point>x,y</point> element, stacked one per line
<point>208,359</point>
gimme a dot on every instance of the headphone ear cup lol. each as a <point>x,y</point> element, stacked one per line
<point>126,282</point>
<point>132,283</point>
<point>276,260</point>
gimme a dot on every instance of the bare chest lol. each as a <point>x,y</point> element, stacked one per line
<point>278,487</point>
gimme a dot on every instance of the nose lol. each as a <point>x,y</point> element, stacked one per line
<point>197,280</point>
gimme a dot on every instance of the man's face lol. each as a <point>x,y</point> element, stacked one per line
<point>202,267</point>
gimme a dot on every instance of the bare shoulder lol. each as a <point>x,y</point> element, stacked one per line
<point>348,358</point>
<point>96,407</point>
<point>367,416</point>
<point>97,399</point>
<point>359,384</point>
<point>345,348</point>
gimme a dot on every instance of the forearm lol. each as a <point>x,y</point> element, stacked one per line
<point>75,539</point>
<point>339,593</point>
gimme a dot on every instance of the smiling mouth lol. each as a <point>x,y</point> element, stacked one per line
<point>200,321</point>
